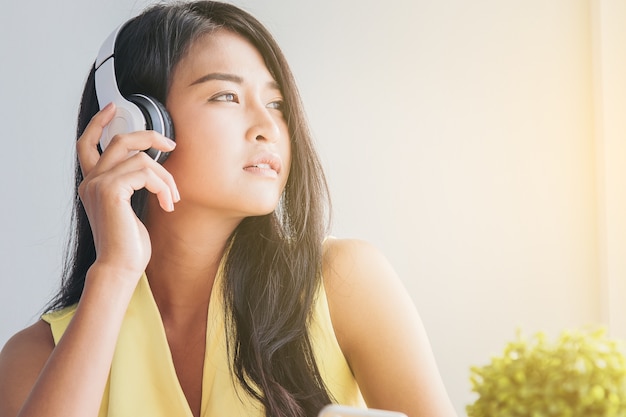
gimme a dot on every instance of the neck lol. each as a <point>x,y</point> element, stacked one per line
<point>186,253</point>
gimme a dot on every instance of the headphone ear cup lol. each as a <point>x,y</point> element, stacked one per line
<point>157,119</point>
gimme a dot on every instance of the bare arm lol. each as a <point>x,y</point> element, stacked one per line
<point>381,333</point>
<point>37,379</point>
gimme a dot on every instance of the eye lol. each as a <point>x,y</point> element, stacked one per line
<point>226,97</point>
<point>278,104</point>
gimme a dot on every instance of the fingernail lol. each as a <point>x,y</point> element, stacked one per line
<point>108,106</point>
<point>171,142</point>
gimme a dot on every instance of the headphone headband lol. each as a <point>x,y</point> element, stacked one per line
<point>137,112</point>
<point>128,117</point>
<point>107,50</point>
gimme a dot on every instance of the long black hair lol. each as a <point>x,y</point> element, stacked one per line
<point>273,266</point>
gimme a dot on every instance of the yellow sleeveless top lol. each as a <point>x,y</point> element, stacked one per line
<point>143,381</point>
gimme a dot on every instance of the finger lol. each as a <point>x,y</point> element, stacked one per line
<point>125,145</point>
<point>87,144</point>
<point>148,179</point>
<point>141,162</point>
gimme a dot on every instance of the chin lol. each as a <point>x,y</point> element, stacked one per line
<point>260,209</point>
<point>266,211</point>
<point>263,204</point>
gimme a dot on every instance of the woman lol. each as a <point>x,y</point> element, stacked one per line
<point>205,285</point>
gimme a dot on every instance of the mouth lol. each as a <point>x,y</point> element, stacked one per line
<point>268,164</point>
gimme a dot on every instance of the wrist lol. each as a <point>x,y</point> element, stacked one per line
<point>111,283</point>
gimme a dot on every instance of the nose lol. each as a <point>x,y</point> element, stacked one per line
<point>264,126</point>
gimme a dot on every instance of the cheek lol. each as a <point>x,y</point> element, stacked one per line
<point>203,156</point>
<point>201,160</point>
<point>201,138</point>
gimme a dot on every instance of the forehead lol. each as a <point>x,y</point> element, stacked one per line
<point>222,51</point>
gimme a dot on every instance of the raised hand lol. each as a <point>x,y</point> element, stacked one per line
<point>121,240</point>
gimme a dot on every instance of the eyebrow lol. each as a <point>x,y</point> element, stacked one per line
<point>221,76</point>
<point>218,76</point>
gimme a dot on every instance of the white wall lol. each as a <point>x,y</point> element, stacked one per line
<point>458,137</point>
<point>47,50</point>
<point>609,38</point>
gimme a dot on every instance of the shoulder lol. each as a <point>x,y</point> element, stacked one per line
<point>360,285</point>
<point>21,361</point>
<point>29,344</point>
<point>380,332</point>
<point>345,260</point>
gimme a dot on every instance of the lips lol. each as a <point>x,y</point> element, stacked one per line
<point>265,162</point>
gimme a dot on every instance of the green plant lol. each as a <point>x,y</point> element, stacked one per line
<point>582,374</point>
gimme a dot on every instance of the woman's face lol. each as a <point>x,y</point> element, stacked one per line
<point>232,151</point>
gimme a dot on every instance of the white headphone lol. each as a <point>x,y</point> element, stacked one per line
<point>133,113</point>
